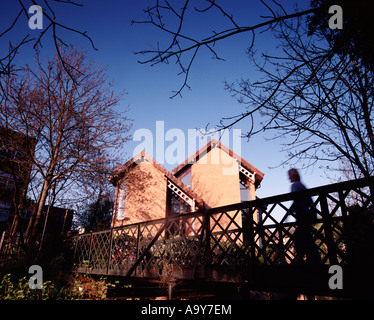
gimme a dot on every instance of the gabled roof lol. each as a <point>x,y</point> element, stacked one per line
<point>207,148</point>
<point>143,156</point>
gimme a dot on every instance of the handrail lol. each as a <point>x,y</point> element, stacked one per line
<point>260,202</point>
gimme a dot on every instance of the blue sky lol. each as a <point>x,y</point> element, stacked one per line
<point>148,88</point>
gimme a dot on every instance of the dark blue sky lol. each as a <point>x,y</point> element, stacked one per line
<point>149,88</point>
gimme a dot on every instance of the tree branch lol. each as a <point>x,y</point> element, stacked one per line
<point>176,49</point>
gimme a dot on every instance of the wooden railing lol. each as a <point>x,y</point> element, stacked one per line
<point>227,242</point>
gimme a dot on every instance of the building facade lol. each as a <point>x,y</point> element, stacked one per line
<point>16,151</point>
<point>213,176</point>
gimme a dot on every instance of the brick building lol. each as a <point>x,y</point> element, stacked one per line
<point>213,176</point>
<point>16,150</point>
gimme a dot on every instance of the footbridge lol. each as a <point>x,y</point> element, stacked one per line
<point>209,246</point>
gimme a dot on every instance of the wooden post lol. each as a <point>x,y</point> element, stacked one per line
<point>75,246</point>
<point>90,251</point>
<point>170,290</point>
<point>208,256</point>
<point>251,235</point>
<point>327,226</point>
<point>110,251</point>
<point>281,247</point>
<point>137,246</point>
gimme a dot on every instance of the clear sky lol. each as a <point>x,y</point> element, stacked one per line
<point>149,88</point>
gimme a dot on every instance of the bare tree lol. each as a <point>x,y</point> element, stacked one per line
<point>322,102</point>
<point>184,46</point>
<point>71,115</point>
<point>317,89</point>
<point>53,27</point>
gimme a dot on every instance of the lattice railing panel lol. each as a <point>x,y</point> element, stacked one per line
<point>176,247</point>
<point>229,239</point>
<point>123,248</point>
<point>83,247</point>
<point>100,250</point>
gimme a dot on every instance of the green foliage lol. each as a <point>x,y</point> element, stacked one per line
<point>85,286</point>
<point>12,288</point>
<point>80,286</point>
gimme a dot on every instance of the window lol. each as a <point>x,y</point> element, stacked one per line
<point>4,214</point>
<point>245,193</point>
<point>121,201</point>
<point>178,205</point>
<point>11,153</point>
<point>6,181</point>
<point>26,214</point>
<point>187,179</point>
<point>4,210</point>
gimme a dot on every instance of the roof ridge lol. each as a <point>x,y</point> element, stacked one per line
<point>208,147</point>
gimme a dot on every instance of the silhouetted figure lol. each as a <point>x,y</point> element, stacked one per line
<point>302,208</point>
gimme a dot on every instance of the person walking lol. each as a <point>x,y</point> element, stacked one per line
<point>302,209</point>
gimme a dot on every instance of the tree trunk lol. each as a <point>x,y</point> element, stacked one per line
<point>32,228</point>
